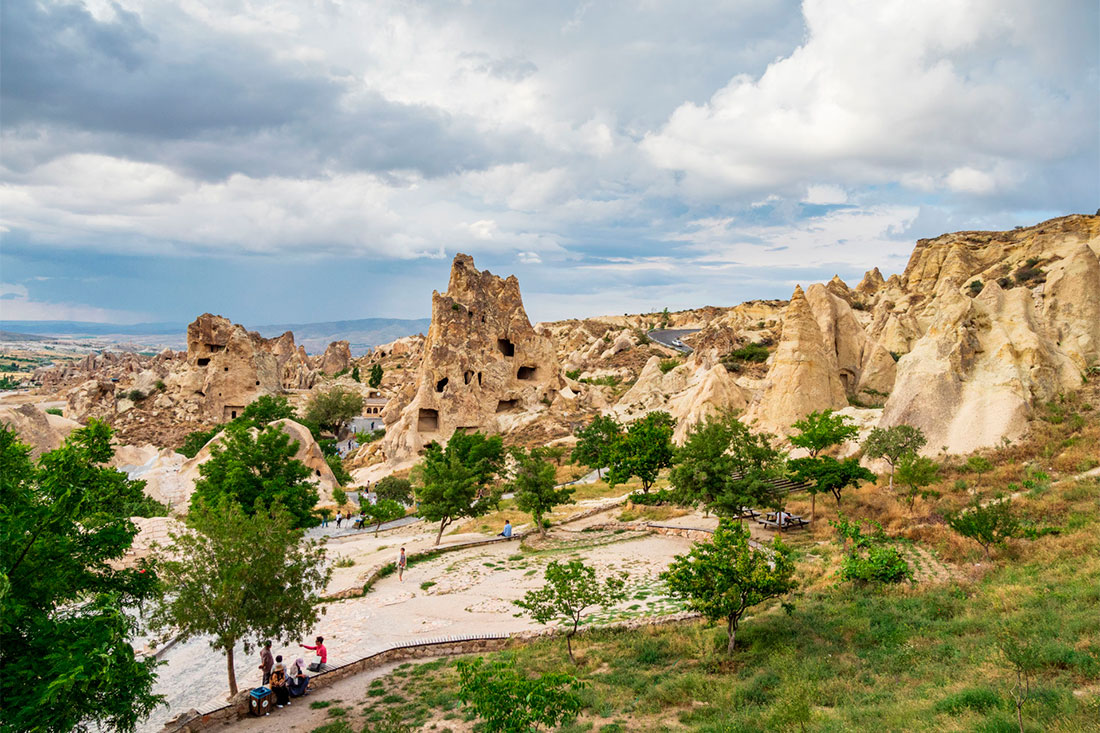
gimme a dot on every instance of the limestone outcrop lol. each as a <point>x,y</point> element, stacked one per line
<point>40,430</point>
<point>803,376</point>
<point>971,379</point>
<point>337,358</point>
<point>484,367</point>
<point>1072,306</point>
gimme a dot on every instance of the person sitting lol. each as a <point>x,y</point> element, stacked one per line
<point>782,518</point>
<point>297,680</point>
<point>507,532</point>
<point>322,654</point>
<point>278,683</point>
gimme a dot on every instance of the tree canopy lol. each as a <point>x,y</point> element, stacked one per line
<point>891,444</point>
<point>394,488</point>
<point>508,701</point>
<point>595,442</point>
<point>65,638</point>
<point>570,590</point>
<point>643,451</point>
<point>454,482</point>
<point>248,468</point>
<point>534,484</point>
<point>825,473</point>
<point>267,409</point>
<point>723,578</point>
<point>239,578</point>
<point>819,431</point>
<point>333,409</point>
<point>375,378</point>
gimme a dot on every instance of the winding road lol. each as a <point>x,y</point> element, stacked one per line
<point>670,337</point>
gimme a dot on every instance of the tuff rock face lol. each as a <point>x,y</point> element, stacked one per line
<point>234,365</point>
<point>1072,306</point>
<point>483,366</point>
<point>971,379</point>
<point>337,358</point>
<point>804,375</point>
<point>41,431</point>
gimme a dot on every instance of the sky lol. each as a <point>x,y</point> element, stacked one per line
<point>292,161</point>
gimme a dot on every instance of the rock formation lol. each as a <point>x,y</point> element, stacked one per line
<point>231,366</point>
<point>803,376</point>
<point>1073,306</point>
<point>483,367</point>
<point>40,430</point>
<point>337,358</point>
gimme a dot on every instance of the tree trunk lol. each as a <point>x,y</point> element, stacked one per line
<point>439,535</point>
<point>813,507</point>
<point>731,629</point>
<point>232,672</point>
<point>599,474</point>
<point>569,645</point>
<point>376,528</point>
<point>891,476</point>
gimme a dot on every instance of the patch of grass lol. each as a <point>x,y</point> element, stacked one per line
<point>427,584</point>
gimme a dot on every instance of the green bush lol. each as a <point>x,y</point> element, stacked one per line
<point>667,365</point>
<point>978,699</point>
<point>573,374</point>
<point>135,395</point>
<point>975,287</point>
<point>54,411</point>
<point>194,442</point>
<point>750,352</point>
<point>656,498</point>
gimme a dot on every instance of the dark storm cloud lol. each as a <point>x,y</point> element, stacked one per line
<point>213,109</point>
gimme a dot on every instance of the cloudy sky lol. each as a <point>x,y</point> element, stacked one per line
<point>302,160</point>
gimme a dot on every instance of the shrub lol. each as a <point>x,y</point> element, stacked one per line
<point>667,365</point>
<point>194,441</point>
<point>657,498</point>
<point>573,374</point>
<point>54,411</point>
<point>339,496</point>
<point>990,525</point>
<point>978,699</point>
<point>755,352</point>
<point>135,395</point>
<point>975,287</point>
<point>160,386</point>
<point>869,558</point>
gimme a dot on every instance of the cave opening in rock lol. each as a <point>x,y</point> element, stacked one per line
<point>505,405</point>
<point>427,420</point>
<point>479,379</point>
<point>202,362</point>
<point>527,373</point>
<point>467,376</point>
<point>440,384</point>
<point>506,347</point>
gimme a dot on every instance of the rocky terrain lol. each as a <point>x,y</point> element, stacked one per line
<point>978,329</point>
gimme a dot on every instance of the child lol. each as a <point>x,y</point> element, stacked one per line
<point>402,562</point>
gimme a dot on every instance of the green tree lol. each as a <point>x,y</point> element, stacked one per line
<point>817,432</point>
<point>979,465</point>
<point>702,468</point>
<point>534,485</point>
<point>891,444</point>
<point>247,468</point>
<point>375,379</point>
<point>643,451</point>
<point>595,443</point>
<point>510,702</point>
<point>394,488</point>
<point>339,496</point>
<point>240,578</point>
<point>570,590</point>
<point>869,558</point>
<point>990,525</point>
<point>382,511</point>
<point>332,410</point>
<point>724,578</point>
<point>65,636</point>
<point>267,409</point>
<point>454,482</point>
<point>1022,653</point>
<point>355,374</point>
<point>197,440</point>
<point>829,474</point>
<point>752,463</point>
<point>916,473</point>
<point>336,465</point>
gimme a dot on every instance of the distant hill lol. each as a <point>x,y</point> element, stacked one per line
<point>362,333</point>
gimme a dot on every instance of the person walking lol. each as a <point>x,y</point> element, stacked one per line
<point>339,518</point>
<point>278,683</point>
<point>402,563</point>
<point>322,654</point>
<point>266,662</point>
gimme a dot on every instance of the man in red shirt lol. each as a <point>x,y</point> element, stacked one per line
<point>322,653</point>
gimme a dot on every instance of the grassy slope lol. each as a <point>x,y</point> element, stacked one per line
<point>921,657</point>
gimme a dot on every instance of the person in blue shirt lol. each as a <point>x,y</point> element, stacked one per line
<point>507,529</point>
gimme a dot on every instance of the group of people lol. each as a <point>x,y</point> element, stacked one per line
<point>287,682</point>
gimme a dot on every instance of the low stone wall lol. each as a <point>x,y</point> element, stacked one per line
<point>192,720</point>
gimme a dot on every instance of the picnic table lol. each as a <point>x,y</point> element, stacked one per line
<point>792,521</point>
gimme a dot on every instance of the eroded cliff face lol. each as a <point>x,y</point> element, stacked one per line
<point>484,367</point>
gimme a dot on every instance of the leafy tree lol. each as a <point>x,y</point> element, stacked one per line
<point>643,451</point>
<point>247,468</point>
<point>510,702</point>
<point>534,485</point>
<point>355,374</point>
<point>553,453</point>
<point>595,443</point>
<point>240,578</point>
<point>570,590</point>
<point>990,525</point>
<point>723,578</point>
<point>454,481</point>
<point>375,378</point>
<point>339,496</point>
<point>819,431</point>
<point>869,558</point>
<point>333,409</point>
<point>829,474</point>
<point>395,489</point>
<point>979,465</point>
<point>916,473</point>
<point>267,409</point>
<point>891,444</point>
<point>336,465</point>
<point>65,638</point>
<point>382,511</point>
<point>195,441</point>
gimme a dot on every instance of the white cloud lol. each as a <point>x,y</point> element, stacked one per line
<point>888,89</point>
<point>17,305</point>
<point>825,194</point>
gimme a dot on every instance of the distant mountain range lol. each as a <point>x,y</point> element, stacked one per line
<point>362,333</point>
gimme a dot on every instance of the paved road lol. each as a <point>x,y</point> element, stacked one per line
<point>666,337</point>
